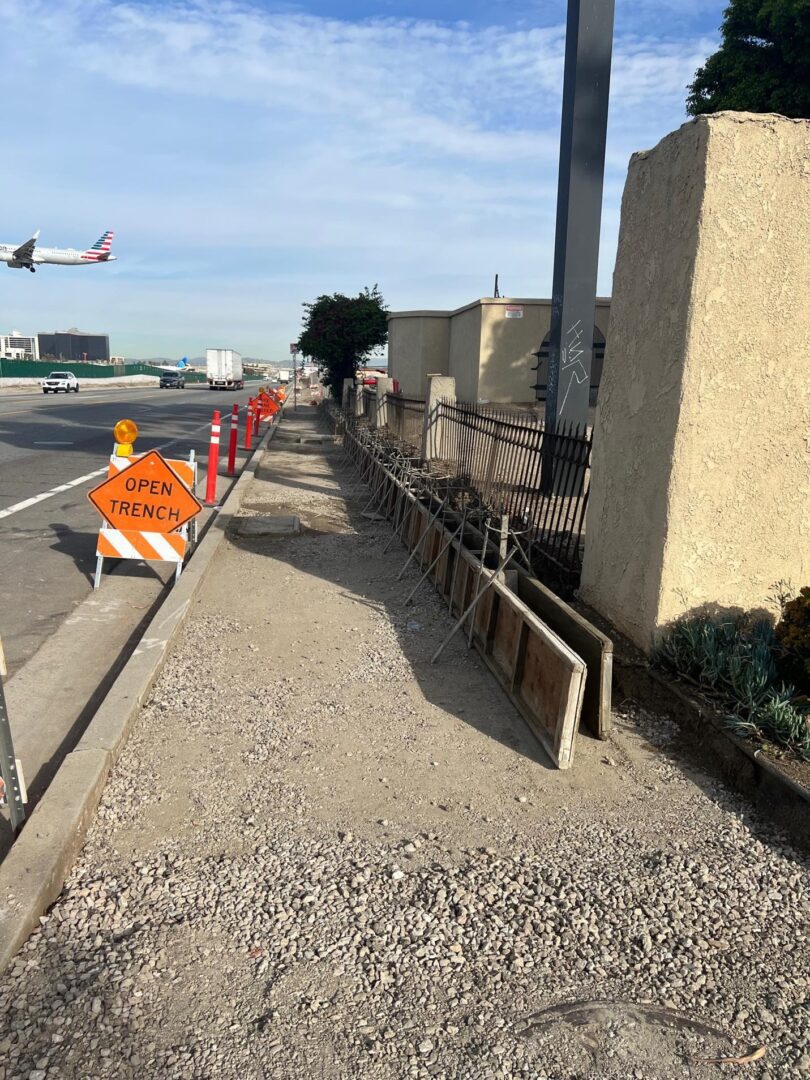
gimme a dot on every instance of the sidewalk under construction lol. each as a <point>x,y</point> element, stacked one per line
<point>320,855</point>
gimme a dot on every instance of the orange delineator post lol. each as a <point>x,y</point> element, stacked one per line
<point>213,462</point>
<point>232,440</point>
<point>257,415</point>
<point>249,424</point>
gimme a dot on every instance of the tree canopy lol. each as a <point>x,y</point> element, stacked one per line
<point>341,332</point>
<point>763,63</point>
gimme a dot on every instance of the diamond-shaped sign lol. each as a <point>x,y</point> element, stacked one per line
<point>148,496</point>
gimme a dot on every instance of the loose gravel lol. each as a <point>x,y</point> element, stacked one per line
<point>320,856</point>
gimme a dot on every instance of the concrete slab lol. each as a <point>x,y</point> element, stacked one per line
<point>281,525</point>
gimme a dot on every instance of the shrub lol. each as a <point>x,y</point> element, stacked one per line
<point>793,638</point>
<point>738,661</point>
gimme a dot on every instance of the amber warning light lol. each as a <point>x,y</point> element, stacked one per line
<point>125,433</point>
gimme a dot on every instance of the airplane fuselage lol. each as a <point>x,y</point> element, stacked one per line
<point>57,256</point>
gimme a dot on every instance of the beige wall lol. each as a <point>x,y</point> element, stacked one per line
<point>488,354</point>
<point>700,492</point>
<point>507,345</point>
<point>418,346</point>
<point>465,350</point>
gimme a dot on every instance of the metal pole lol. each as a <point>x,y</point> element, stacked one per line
<point>586,83</point>
<point>8,763</point>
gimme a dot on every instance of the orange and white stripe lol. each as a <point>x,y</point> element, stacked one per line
<point>149,546</point>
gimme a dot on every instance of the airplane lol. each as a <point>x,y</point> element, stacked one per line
<point>182,365</point>
<point>27,255</point>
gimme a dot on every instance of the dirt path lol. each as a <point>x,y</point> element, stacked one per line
<point>319,856</point>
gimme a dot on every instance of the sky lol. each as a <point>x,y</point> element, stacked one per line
<point>251,156</point>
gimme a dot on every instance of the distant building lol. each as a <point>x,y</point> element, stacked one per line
<point>74,346</point>
<point>16,346</point>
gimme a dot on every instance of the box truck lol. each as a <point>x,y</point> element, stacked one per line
<point>224,368</point>
<point>283,375</point>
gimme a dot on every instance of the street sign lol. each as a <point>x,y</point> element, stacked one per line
<point>294,348</point>
<point>146,495</point>
<point>513,311</point>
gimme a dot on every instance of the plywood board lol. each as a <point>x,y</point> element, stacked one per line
<point>595,648</point>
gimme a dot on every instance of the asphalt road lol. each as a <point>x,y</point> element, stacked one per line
<point>53,449</point>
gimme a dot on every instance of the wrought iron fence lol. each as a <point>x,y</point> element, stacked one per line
<point>405,419</point>
<point>369,400</point>
<point>539,478</point>
<point>506,459</point>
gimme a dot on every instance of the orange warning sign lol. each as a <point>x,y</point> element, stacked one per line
<point>146,495</point>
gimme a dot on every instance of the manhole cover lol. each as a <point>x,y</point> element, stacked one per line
<point>286,525</point>
<point>614,1038</point>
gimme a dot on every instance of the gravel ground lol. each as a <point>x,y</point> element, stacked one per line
<point>319,856</point>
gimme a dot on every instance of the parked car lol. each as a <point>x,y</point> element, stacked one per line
<point>60,380</point>
<point>172,380</point>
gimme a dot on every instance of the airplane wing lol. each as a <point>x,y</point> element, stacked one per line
<point>25,252</point>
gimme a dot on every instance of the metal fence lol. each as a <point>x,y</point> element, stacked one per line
<point>405,419</point>
<point>38,369</point>
<point>368,401</point>
<point>513,466</point>
<point>538,477</point>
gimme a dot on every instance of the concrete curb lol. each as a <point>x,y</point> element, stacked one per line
<point>34,871</point>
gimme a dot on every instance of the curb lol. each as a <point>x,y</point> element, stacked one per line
<point>34,871</point>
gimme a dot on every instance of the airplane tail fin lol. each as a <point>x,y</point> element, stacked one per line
<point>100,251</point>
<point>183,364</point>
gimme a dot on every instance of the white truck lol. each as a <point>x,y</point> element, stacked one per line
<point>283,375</point>
<point>224,369</point>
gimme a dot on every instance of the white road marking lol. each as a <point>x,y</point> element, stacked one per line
<point>26,503</point>
<point>54,442</point>
<point>15,509</point>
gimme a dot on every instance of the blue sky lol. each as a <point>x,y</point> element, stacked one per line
<point>251,156</point>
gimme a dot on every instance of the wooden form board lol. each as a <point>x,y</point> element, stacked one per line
<point>595,648</point>
<point>543,677</point>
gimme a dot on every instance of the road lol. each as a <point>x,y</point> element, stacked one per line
<point>53,449</point>
<point>63,643</point>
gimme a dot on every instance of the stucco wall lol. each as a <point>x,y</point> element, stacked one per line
<point>418,346</point>
<point>465,350</point>
<point>700,492</point>
<point>507,344</point>
<point>507,364</point>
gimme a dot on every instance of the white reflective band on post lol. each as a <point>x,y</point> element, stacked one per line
<point>215,440</point>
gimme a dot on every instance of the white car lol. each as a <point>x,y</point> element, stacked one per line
<point>60,380</point>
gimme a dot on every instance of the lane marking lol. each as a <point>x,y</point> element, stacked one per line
<point>54,442</point>
<point>26,503</point>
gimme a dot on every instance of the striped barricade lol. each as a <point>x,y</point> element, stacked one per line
<point>148,545</point>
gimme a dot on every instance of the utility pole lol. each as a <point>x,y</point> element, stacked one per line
<point>586,84</point>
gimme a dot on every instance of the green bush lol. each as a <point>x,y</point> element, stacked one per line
<point>739,661</point>
<point>793,638</point>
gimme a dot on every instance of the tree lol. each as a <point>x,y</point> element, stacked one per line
<point>763,63</point>
<point>340,333</point>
